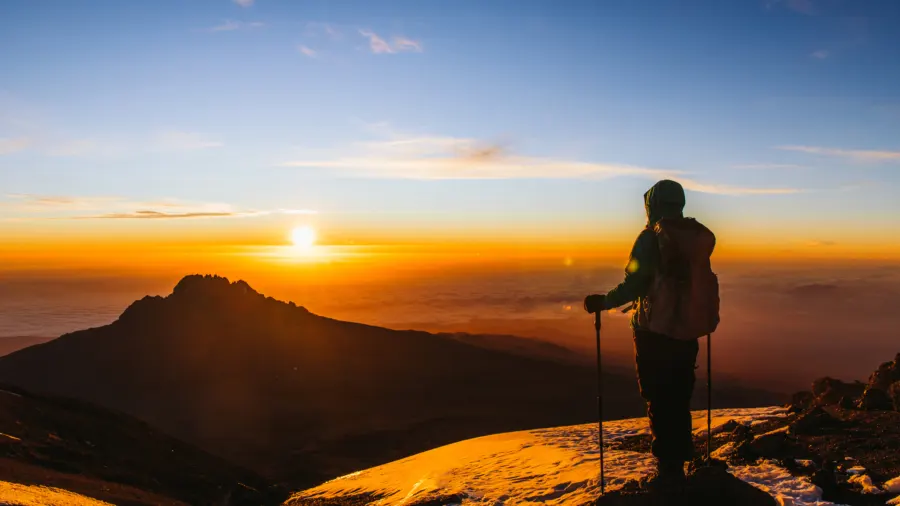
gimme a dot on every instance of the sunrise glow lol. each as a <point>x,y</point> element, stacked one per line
<point>303,237</point>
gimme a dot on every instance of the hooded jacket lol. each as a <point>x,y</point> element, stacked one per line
<point>665,199</point>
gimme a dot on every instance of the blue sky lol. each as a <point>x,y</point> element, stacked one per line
<point>493,116</point>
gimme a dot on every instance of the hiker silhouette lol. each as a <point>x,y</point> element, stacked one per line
<point>674,294</point>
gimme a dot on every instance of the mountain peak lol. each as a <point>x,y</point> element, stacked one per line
<point>201,291</point>
<point>211,284</point>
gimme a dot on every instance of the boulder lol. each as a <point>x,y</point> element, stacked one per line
<point>707,485</point>
<point>886,374</point>
<point>894,392</point>
<point>741,433</point>
<point>848,403</point>
<point>801,401</point>
<point>771,445</point>
<point>814,421</point>
<point>828,391</point>
<point>875,399</point>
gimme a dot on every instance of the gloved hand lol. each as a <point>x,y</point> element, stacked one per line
<point>594,303</point>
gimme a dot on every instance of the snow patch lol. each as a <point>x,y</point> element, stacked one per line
<point>16,494</point>
<point>892,485</point>
<point>554,466</point>
<point>744,416</point>
<point>865,482</point>
<point>779,483</point>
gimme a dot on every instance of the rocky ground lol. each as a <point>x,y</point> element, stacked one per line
<point>838,443</point>
<point>843,437</point>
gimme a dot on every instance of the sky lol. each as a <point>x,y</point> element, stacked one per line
<point>464,165</point>
<point>528,123</point>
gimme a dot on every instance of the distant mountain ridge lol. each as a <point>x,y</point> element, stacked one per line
<point>15,343</point>
<point>301,397</point>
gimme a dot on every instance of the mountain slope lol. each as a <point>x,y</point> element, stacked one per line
<point>300,397</point>
<point>56,442</point>
<point>272,386</point>
<point>557,466</point>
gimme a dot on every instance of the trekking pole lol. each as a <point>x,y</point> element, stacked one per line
<point>708,399</point>
<point>600,402</point>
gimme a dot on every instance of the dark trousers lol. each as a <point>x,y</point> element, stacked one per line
<point>665,369</point>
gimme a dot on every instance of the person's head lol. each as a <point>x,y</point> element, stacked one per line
<point>665,199</point>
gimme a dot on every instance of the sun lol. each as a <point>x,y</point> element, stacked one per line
<point>303,237</point>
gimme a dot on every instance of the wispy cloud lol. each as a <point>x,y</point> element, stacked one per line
<point>57,207</point>
<point>856,154</point>
<point>376,43</point>
<point>244,3</point>
<point>404,44</point>
<point>399,44</point>
<point>768,166</point>
<point>436,158</point>
<point>725,189</point>
<point>230,26</point>
<point>821,54</point>
<point>143,215</point>
<point>308,51</point>
<point>11,145</point>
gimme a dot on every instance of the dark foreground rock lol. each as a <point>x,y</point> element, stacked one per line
<point>707,485</point>
<point>814,422</point>
<point>874,399</point>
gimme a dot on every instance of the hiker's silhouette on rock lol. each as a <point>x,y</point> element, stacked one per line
<point>675,298</point>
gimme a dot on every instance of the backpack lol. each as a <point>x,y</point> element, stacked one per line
<point>683,299</point>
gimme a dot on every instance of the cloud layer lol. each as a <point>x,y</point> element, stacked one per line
<point>398,44</point>
<point>29,206</point>
<point>436,157</point>
<point>856,154</point>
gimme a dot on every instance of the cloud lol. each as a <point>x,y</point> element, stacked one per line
<point>404,44</point>
<point>11,145</point>
<point>145,214</point>
<point>25,202</point>
<point>856,154</point>
<point>307,51</point>
<point>176,140</point>
<point>157,215</point>
<point>230,26</point>
<point>244,3</point>
<point>400,44</point>
<point>724,189</point>
<point>821,54</point>
<point>768,166</point>
<point>438,158</point>
<point>84,208</point>
<point>376,43</point>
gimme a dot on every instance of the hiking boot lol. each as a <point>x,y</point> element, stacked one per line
<point>669,477</point>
